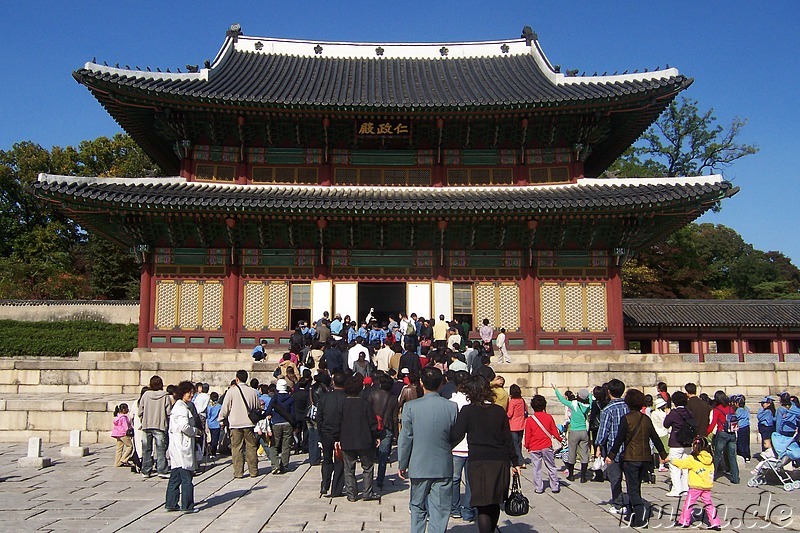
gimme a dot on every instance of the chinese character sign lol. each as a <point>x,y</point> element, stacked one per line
<point>370,128</point>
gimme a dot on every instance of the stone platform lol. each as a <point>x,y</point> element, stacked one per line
<point>88,494</point>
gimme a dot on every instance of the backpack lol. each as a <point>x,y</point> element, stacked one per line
<point>410,328</point>
<point>731,423</point>
<point>687,432</point>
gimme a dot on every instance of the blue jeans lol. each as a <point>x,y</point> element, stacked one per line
<point>384,450</point>
<point>160,438</point>
<point>314,455</point>
<point>725,444</point>
<point>180,481</point>
<point>430,498</point>
<point>462,505</point>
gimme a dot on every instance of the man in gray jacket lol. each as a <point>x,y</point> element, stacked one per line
<point>425,455</point>
<point>239,400</point>
<point>155,406</point>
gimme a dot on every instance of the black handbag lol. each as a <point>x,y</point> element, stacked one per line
<point>516,503</point>
<point>255,415</point>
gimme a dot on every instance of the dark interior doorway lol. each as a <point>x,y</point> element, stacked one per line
<point>386,298</point>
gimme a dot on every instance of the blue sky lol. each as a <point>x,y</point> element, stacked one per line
<point>743,56</point>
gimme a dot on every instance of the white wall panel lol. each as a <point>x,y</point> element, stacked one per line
<point>418,298</point>
<point>321,298</point>
<point>443,300</point>
<point>346,299</point>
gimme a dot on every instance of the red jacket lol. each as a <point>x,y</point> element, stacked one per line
<point>718,417</point>
<point>535,438</point>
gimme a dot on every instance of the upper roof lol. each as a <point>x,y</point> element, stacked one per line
<point>405,76</point>
<point>705,313</point>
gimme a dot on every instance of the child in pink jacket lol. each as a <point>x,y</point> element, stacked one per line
<point>122,433</point>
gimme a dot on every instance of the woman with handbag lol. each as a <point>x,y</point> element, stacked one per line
<point>540,431</point>
<point>636,433</point>
<point>491,451</point>
<point>181,451</point>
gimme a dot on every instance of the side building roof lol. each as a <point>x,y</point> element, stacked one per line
<point>711,313</point>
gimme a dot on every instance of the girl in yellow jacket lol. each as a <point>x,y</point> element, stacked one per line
<point>701,478</point>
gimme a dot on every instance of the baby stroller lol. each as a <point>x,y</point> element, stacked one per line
<point>784,450</point>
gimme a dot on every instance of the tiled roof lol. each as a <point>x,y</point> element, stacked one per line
<point>277,74</point>
<point>709,313</point>
<point>588,195</point>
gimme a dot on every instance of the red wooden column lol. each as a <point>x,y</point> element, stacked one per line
<point>186,169</point>
<point>528,296</point>
<point>145,304</point>
<point>230,306</point>
<point>616,327</point>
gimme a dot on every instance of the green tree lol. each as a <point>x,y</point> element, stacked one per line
<point>684,141</point>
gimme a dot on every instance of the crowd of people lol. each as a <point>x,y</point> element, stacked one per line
<point>458,432</point>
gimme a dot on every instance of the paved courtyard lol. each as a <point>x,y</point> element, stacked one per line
<point>89,495</point>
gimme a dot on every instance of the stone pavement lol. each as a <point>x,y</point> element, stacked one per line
<point>87,494</point>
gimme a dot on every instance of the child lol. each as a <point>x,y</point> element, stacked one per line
<point>701,479</point>
<point>540,429</point>
<point>122,432</point>
<point>212,420</point>
<point>766,422</point>
<point>743,433</point>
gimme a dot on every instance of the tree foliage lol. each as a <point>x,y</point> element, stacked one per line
<point>44,254</point>
<point>710,261</point>
<point>684,141</point>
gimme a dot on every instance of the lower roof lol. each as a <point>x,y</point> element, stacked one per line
<point>587,196</point>
<point>710,313</point>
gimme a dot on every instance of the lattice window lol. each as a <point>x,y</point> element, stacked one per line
<point>301,296</point>
<point>499,302</point>
<point>290,175</point>
<point>550,311</point>
<point>462,298</point>
<point>210,172</point>
<point>253,305</point>
<point>480,176</point>
<point>548,175</point>
<point>188,305</point>
<point>383,176</point>
<point>573,307</point>
<point>278,305</point>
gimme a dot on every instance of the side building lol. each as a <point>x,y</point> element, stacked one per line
<point>455,179</point>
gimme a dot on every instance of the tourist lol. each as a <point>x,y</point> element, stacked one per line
<point>636,431</point>
<point>212,421</point>
<point>440,333</point>
<point>259,353</point>
<point>300,397</point>
<point>657,416</point>
<point>182,451</point>
<point>384,405</point>
<point>383,356</point>
<point>323,331</point>
<point>336,325</point>
<point>329,423</point>
<point>724,443</point>
<point>235,408</point>
<point>424,454</point>
<point>279,413</point>
<point>517,411</point>
<point>742,413</point>
<point>600,401</point>
<point>491,451</point>
<point>700,409</point>
<point>334,357</point>
<point>361,366</point>
<point>410,361</point>
<point>766,422</point>
<point>661,388</point>
<point>701,479</point>
<point>154,409</point>
<point>448,388</point>
<point>540,430</point>
<point>578,432</point>
<point>786,416</point>
<point>453,338</point>
<point>122,433</point>
<point>498,388</point>
<point>456,364</point>
<point>606,435</point>
<point>357,440</point>
<point>321,385</point>
<point>356,349</point>
<point>675,420</point>
<point>485,370</point>
<point>461,506</point>
<point>200,401</point>
<point>486,333</point>
<point>500,342</point>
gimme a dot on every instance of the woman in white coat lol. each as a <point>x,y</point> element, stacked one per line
<point>181,451</point>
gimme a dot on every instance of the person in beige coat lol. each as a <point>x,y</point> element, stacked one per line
<point>239,400</point>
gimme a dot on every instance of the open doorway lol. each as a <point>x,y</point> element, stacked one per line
<point>386,298</point>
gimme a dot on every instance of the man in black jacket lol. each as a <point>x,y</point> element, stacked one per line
<point>384,405</point>
<point>329,424</point>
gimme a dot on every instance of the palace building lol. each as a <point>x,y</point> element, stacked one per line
<point>456,179</point>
